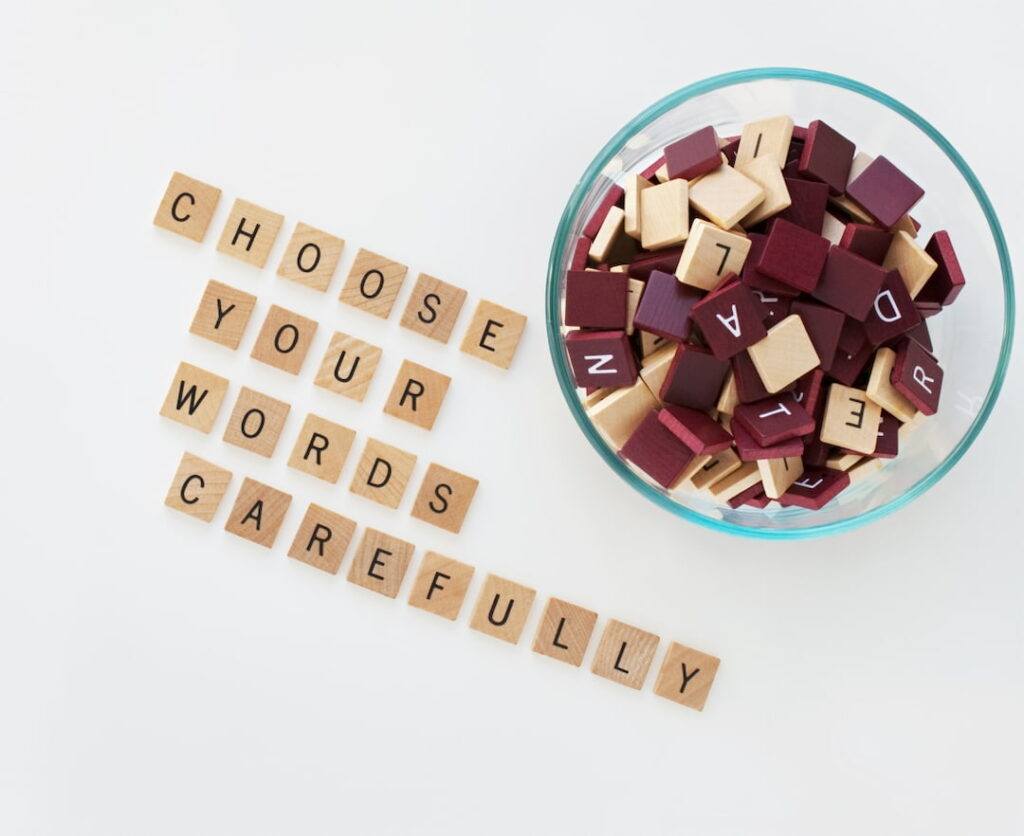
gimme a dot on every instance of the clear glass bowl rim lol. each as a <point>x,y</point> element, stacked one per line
<point>595,169</point>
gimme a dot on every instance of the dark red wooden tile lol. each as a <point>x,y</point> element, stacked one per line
<point>729,318</point>
<point>870,242</point>
<point>816,488</point>
<point>749,387</point>
<point>694,379</point>
<point>808,391</point>
<point>615,194</point>
<point>809,202</point>
<point>885,192</point>
<point>849,283</point>
<point>774,420</point>
<point>920,332</point>
<point>893,312</point>
<point>601,358</point>
<point>917,376</point>
<point>696,429</point>
<point>847,366</point>
<point>664,260</point>
<point>656,451</point>
<point>816,452</point>
<point>947,281</point>
<point>579,255</point>
<point>665,307</point>
<point>827,156</point>
<point>748,496</point>
<point>793,255</point>
<point>693,155</point>
<point>648,173</point>
<point>888,445</point>
<point>823,325</point>
<point>799,134</point>
<point>730,148</point>
<point>761,500</point>
<point>596,300</point>
<point>750,451</point>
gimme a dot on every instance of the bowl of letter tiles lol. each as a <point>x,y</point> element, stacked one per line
<point>780,304</point>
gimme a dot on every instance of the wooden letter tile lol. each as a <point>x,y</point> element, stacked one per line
<point>198,487</point>
<point>767,138</point>
<point>195,397</point>
<point>381,562</point>
<point>851,419</point>
<point>915,265</point>
<point>256,422</point>
<point>502,608</point>
<point>785,355</point>
<point>441,585</point>
<point>444,498</point>
<point>686,676</point>
<point>612,229</point>
<point>223,313</point>
<point>258,513</point>
<point>564,632</point>
<point>373,283</point>
<point>718,467</point>
<point>348,366</point>
<point>311,258</point>
<point>417,394</point>
<point>743,478</point>
<point>382,473</point>
<point>710,254</point>
<point>725,196</point>
<point>624,654</point>
<point>619,414</point>
<point>433,308</point>
<point>187,207</point>
<point>493,334</point>
<point>250,232</point>
<point>635,184</point>
<point>881,390</point>
<point>284,340</point>
<point>778,474</point>
<point>321,448</point>
<point>322,539</point>
<point>768,176</point>
<point>664,214</point>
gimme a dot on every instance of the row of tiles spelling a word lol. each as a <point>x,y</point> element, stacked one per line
<point>624,653</point>
<point>322,446</point>
<point>373,283</point>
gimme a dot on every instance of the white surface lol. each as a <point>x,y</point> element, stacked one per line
<point>161,676</point>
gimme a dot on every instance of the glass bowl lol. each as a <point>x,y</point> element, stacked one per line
<point>972,338</point>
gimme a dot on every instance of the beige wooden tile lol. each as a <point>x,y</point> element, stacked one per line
<point>493,334</point>
<point>564,631</point>
<point>433,308</point>
<point>664,214</point>
<point>194,397</point>
<point>661,175</point>
<point>725,196</point>
<point>786,354</point>
<point>417,394</point>
<point>501,608</point>
<point>633,186</point>
<point>380,562</point>
<point>321,448</point>
<point>733,484</point>
<point>444,498</point>
<point>617,415</point>
<point>907,256</point>
<point>654,368</point>
<point>624,654</point>
<point>881,390</point>
<point>768,176</point>
<point>729,397</point>
<point>649,343</point>
<point>284,340</point>
<point>717,467</point>
<point>250,232</point>
<point>843,461</point>
<point>258,513</point>
<point>322,539</point>
<point>905,224</point>
<point>711,253</point>
<point>612,227</point>
<point>223,314</point>
<point>256,422</point>
<point>198,487</point>
<point>441,585</point>
<point>382,473</point>
<point>766,138</point>
<point>778,474</point>
<point>187,206</point>
<point>686,676</point>
<point>865,468</point>
<point>311,257</point>
<point>634,290</point>
<point>832,228</point>
<point>851,419</point>
<point>348,366</point>
<point>373,283</point>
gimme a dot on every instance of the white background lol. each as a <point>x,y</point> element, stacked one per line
<point>158,675</point>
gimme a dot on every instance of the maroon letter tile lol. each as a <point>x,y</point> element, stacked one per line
<point>665,307</point>
<point>917,376</point>
<point>885,192</point>
<point>793,255</point>
<point>601,358</point>
<point>595,299</point>
<point>692,155</point>
<point>774,419</point>
<point>695,378</point>
<point>849,283</point>
<point>947,281</point>
<point>696,429</point>
<point>729,319</point>
<point>893,312</point>
<point>656,451</point>
<point>826,156</point>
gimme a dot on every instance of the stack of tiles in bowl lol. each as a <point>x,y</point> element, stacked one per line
<point>747,315</point>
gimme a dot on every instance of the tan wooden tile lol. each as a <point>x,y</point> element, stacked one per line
<point>417,395</point>
<point>654,368</point>
<point>786,354</point>
<point>664,214</point>
<point>198,487</point>
<point>256,422</point>
<point>194,397</point>
<point>373,283</point>
<point>832,228</point>
<point>905,224</point>
<point>348,366</point>
<point>633,186</point>
<point>778,474</point>
<point>284,340</point>
<point>223,314</point>
<point>766,138</point>
<point>634,290</point>
<point>624,654</point>
<point>843,461</point>
<point>441,585</point>
<point>444,498</point>
<point>250,232</point>
<point>382,473</point>
<point>661,175</point>
<point>768,176</point>
<point>729,397</point>
<point>725,196</point>
<point>733,484</point>
<point>682,482</point>
<point>865,468</point>
<point>321,448</point>
<point>433,308</point>
<point>617,415</point>
<point>612,227</point>
<point>564,631</point>
<point>907,256</point>
<point>851,419</point>
<point>380,562</point>
<point>493,334</point>
<point>502,608</point>
<point>717,467</point>
<point>649,343</point>
<point>311,257</point>
<point>322,539</point>
<point>881,390</point>
<point>686,676</point>
<point>710,254</point>
<point>187,206</point>
<point>258,513</point>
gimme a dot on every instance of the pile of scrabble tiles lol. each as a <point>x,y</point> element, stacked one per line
<point>747,317</point>
<point>381,561</point>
